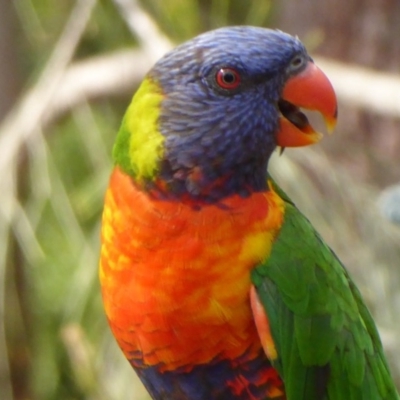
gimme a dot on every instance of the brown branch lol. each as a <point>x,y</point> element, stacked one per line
<point>98,77</point>
<point>119,73</point>
<point>377,92</point>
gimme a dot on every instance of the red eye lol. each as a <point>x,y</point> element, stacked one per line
<point>228,78</point>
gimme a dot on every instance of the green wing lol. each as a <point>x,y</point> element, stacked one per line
<point>327,343</point>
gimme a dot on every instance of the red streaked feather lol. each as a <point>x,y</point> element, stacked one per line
<point>262,324</point>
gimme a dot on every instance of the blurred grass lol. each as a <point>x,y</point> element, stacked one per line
<point>62,347</point>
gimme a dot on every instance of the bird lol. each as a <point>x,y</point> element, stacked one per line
<point>215,286</point>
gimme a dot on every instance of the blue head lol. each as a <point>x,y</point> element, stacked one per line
<point>220,112</point>
<point>207,118</point>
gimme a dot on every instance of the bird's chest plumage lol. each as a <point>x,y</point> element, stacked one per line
<point>175,278</point>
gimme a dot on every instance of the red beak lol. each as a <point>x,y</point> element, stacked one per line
<point>310,89</point>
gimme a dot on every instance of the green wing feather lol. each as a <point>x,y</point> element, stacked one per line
<point>327,343</point>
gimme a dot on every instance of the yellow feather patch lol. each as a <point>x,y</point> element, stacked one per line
<point>256,246</point>
<point>257,243</point>
<point>142,122</point>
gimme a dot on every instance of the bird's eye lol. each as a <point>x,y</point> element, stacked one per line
<point>296,63</point>
<point>228,78</point>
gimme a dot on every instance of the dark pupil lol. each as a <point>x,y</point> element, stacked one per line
<point>228,77</point>
<point>297,61</point>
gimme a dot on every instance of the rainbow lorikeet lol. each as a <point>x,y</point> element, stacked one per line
<point>214,284</point>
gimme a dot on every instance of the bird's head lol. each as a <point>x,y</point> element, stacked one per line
<point>209,114</point>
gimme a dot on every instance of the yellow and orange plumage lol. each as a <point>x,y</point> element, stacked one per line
<point>152,265</point>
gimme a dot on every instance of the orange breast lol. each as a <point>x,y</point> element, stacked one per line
<point>175,279</point>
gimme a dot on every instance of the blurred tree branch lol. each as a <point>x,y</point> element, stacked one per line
<point>151,39</point>
<point>119,73</point>
<point>364,88</point>
<point>98,77</point>
<point>26,116</point>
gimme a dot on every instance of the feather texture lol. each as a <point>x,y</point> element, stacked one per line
<point>176,280</point>
<point>327,343</point>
